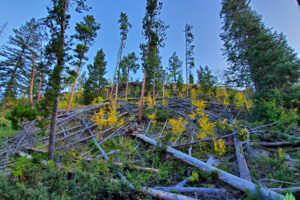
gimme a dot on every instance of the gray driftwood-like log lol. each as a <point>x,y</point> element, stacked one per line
<point>191,190</point>
<point>235,181</point>
<point>164,195</point>
<point>81,112</point>
<point>291,189</point>
<point>184,182</point>
<point>242,163</point>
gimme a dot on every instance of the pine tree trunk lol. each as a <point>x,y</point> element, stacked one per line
<point>32,81</point>
<point>39,91</point>
<point>113,84</point>
<point>73,89</point>
<point>142,96</point>
<point>118,68</point>
<point>186,68</point>
<point>127,84</point>
<point>60,62</point>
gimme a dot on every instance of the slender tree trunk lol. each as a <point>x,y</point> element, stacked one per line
<point>127,84</point>
<point>73,89</point>
<point>118,68</point>
<point>142,96</point>
<point>113,84</point>
<point>186,68</point>
<point>60,62</point>
<point>39,91</point>
<point>153,95</point>
<point>32,81</point>
<point>163,88</point>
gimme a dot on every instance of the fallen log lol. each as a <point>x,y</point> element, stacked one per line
<point>242,163</point>
<point>191,190</point>
<point>235,181</point>
<point>164,195</point>
<point>82,111</point>
<point>279,144</point>
<point>138,167</point>
<point>291,189</point>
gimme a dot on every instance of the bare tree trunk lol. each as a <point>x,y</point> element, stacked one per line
<point>127,84</point>
<point>3,28</point>
<point>113,84</point>
<point>187,71</point>
<point>153,95</point>
<point>118,68</point>
<point>39,90</point>
<point>142,96</point>
<point>73,89</point>
<point>32,81</point>
<point>163,88</point>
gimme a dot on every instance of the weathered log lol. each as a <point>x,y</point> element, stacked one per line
<point>82,111</point>
<point>235,181</point>
<point>184,182</point>
<point>164,195</point>
<point>242,163</point>
<point>191,190</point>
<point>291,189</point>
<point>279,144</point>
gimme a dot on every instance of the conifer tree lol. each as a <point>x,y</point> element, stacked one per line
<point>58,22</point>
<point>16,66</point>
<point>257,56</point>
<point>206,79</point>
<point>86,32</point>
<point>154,32</point>
<point>189,54</point>
<point>124,27</point>
<point>129,63</point>
<point>174,67</point>
<point>96,80</point>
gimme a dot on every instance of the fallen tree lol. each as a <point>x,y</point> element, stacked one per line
<point>234,181</point>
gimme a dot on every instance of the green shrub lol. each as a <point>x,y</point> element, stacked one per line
<point>20,114</point>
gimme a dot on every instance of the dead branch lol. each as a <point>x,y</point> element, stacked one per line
<point>139,168</point>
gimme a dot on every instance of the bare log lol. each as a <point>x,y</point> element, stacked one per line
<point>139,168</point>
<point>235,181</point>
<point>184,182</point>
<point>164,195</point>
<point>279,144</point>
<point>243,167</point>
<point>191,190</point>
<point>291,189</point>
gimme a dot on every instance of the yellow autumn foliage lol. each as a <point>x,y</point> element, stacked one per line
<point>151,103</point>
<point>178,126</point>
<point>219,146</point>
<point>206,126</point>
<point>108,119</point>
<point>152,117</point>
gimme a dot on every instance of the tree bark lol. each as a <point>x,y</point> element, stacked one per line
<point>32,81</point>
<point>186,69</point>
<point>243,167</point>
<point>127,84</point>
<point>73,89</point>
<point>113,84</point>
<point>118,68</point>
<point>39,90</point>
<point>142,96</point>
<point>60,62</point>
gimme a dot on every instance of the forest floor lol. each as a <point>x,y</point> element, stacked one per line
<point>180,150</point>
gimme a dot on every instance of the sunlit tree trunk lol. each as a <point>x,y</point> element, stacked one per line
<point>127,84</point>
<point>32,81</point>
<point>118,68</point>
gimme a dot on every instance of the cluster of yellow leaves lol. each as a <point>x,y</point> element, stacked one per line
<point>222,95</point>
<point>195,176</point>
<point>194,93</point>
<point>200,106</point>
<point>152,117</point>
<point>207,128</point>
<point>178,126</point>
<point>240,101</point>
<point>281,154</point>
<point>111,120</point>
<point>219,146</point>
<point>243,134</point>
<point>97,101</point>
<point>164,102</point>
<point>151,103</point>
<point>192,115</point>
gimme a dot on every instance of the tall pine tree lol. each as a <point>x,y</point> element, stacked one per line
<point>189,55</point>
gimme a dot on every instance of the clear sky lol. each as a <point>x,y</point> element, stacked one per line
<point>282,15</point>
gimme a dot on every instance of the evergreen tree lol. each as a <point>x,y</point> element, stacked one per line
<point>174,67</point>
<point>206,79</point>
<point>124,27</point>
<point>86,32</point>
<point>58,22</point>
<point>189,54</point>
<point>257,56</point>
<point>129,63</point>
<point>96,81</point>
<point>154,32</point>
<point>17,60</point>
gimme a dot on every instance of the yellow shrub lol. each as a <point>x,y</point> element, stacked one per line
<point>151,103</point>
<point>152,117</point>
<point>243,134</point>
<point>200,106</point>
<point>206,126</point>
<point>178,126</point>
<point>194,93</point>
<point>192,115</point>
<point>111,120</point>
<point>219,146</point>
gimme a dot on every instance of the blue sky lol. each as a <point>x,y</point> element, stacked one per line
<point>282,15</point>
